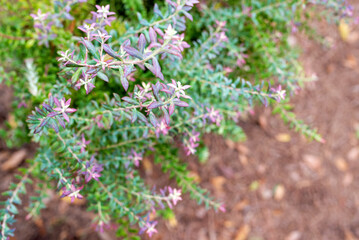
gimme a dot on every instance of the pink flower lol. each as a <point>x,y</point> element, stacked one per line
<point>63,107</point>
<point>214,116</point>
<point>83,143</point>
<point>73,192</point>
<point>136,157</point>
<point>162,128</point>
<point>175,195</point>
<point>151,229</point>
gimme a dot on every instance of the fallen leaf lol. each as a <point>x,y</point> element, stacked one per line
<point>230,144</point>
<point>147,166</point>
<point>283,137</point>
<point>330,68</point>
<point>341,164</point>
<point>243,159</point>
<point>353,37</point>
<point>14,160</point>
<point>353,154</point>
<point>344,30</point>
<point>40,225</point>
<point>349,235</point>
<point>4,155</point>
<point>347,179</point>
<point>263,121</point>
<point>195,176</point>
<point>12,122</point>
<point>294,235</point>
<point>217,183</point>
<point>266,193</point>
<point>242,149</point>
<point>228,224</point>
<point>312,161</point>
<point>254,185</point>
<point>172,222</point>
<point>243,232</point>
<point>350,62</point>
<point>279,192</point>
<point>241,205</point>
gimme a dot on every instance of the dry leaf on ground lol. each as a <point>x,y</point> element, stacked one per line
<point>341,164</point>
<point>279,192</point>
<point>217,183</point>
<point>283,137</point>
<point>350,62</point>
<point>344,30</point>
<point>294,235</point>
<point>243,232</point>
<point>313,162</point>
<point>14,160</point>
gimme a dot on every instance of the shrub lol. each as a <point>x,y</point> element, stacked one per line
<point>107,92</point>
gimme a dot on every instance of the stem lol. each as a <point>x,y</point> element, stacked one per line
<point>121,144</point>
<point>2,35</point>
<point>14,193</point>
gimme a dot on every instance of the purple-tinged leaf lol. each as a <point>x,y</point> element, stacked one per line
<point>91,48</point>
<point>153,35</point>
<point>133,52</point>
<point>155,90</point>
<point>154,45</point>
<point>130,100</point>
<point>154,105</point>
<point>124,82</point>
<point>66,117</point>
<point>157,11</point>
<point>141,43</point>
<point>102,76</point>
<point>51,100</point>
<point>171,108</point>
<point>55,127</point>
<point>189,16</point>
<point>111,52</point>
<point>156,66</point>
<point>61,122</point>
<point>37,130</point>
<point>126,43</point>
<point>153,119</point>
<point>174,52</point>
<point>173,4</point>
<point>160,32</point>
<point>44,122</point>
<point>166,115</point>
<point>142,117</point>
<point>47,107</point>
<point>38,110</point>
<point>180,103</point>
<point>134,116</point>
<point>53,114</point>
<point>127,70</point>
<point>150,67</point>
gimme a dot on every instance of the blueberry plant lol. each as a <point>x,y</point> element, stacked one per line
<point>99,92</point>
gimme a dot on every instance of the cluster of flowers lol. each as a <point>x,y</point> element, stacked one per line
<point>98,61</point>
<point>43,22</point>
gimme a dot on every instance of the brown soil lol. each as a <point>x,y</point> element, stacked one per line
<point>273,189</point>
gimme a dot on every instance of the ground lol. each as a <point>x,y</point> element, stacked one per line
<point>277,185</point>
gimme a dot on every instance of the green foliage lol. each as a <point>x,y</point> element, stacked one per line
<point>240,57</point>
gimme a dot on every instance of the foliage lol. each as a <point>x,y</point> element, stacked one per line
<point>107,92</point>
